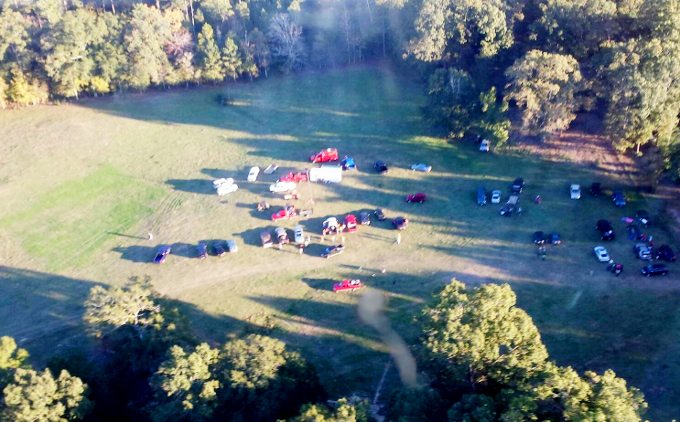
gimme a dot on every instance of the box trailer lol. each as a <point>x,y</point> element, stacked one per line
<point>326,174</point>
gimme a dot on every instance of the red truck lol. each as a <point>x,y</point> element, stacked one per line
<point>324,156</point>
<point>297,177</point>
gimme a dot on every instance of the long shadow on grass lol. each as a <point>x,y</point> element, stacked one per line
<point>192,185</point>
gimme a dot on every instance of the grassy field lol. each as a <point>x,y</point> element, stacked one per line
<point>82,184</point>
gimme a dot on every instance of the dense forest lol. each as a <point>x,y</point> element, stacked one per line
<point>480,358</point>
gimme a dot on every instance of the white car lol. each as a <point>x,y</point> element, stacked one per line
<point>299,234</point>
<point>601,254</point>
<point>496,197</point>
<point>485,146</point>
<point>280,187</point>
<point>575,191</point>
<point>421,167</point>
<point>253,173</point>
<point>225,186</point>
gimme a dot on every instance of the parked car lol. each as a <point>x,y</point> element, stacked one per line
<point>231,246</point>
<point>606,230</point>
<point>633,231</point>
<point>350,285</point>
<point>400,223</point>
<point>496,197</point>
<point>266,239</point>
<point>280,187</point>
<point>618,198</point>
<point>555,238</point>
<point>575,191</point>
<point>299,234</point>
<point>538,238</point>
<point>596,189</point>
<point>218,248</point>
<point>511,206</point>
<point>517,186</point>
<point>665,253</point>
<point>225,186</point>
<point>350,222</point>
<point>481,196</point>
<point>162,253</point>
<point>380,166</point>
<point>379,214</point>
<point>332,251</point>
<point>281,236</point>
<point>271,168</point>
<point>642,251</point>
<point>421,167</point>
<point>485,145</point>
<point>652,270</point>
<point>297,177</point>
<point>416,197</point>
<point>286,213</point>
<point>201,250</point>
<point>253,173</point>
<point>364,218</point>
<point>601,254</point>
<point>324,156</point>
<point>348,163</point>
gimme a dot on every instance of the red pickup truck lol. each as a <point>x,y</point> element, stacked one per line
<point>324,156</point>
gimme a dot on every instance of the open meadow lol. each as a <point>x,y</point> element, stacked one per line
<point>82,184</point>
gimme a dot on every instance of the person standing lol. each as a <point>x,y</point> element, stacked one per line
<point>398,241</point>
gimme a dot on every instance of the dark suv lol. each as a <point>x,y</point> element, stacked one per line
<point>618,198</point>
<point>665,253</point>
<point>517,185</point>
<point>654,270</point>
<point>606,230</point>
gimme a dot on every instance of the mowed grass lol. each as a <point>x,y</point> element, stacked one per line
<point>67,225</point>
<point>81,185</point>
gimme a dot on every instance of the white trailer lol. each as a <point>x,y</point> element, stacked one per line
<point>326,174</point>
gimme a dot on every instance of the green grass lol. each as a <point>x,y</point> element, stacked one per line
<point>81,185</point>
<point>66,226</point>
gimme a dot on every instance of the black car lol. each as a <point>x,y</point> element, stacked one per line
<point>665,253</point>
<point>218,248</point>
<point>618,198</point>
<point>364,218</point>
<point>555,238</point>
<point>379,214</point>
<point>400,223</point>
<point>654,270</point>
<point>538,238</point>
<point>596,189</point>
<point>606,230</point>
<point>380,166</point>
<point>517,185</point>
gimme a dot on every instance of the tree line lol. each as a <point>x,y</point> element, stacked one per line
<point>63,49</point>
<point>551,59</point>
<point>480,357</point>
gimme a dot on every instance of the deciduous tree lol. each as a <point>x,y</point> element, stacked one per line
<point>38,396</point>
<point>479,336</point>
<point>286,42</point>
<point>185,384</point>
<point>545,86</point>
<point>107,309</point>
